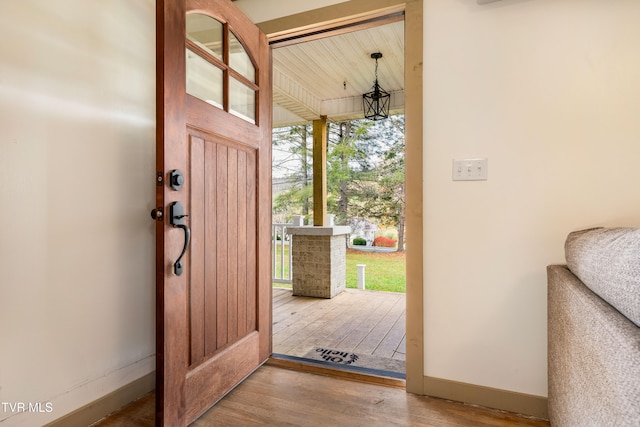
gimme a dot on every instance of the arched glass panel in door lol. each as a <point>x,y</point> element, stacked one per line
<point>219,69</point>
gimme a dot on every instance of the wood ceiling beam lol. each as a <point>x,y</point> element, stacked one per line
<point>329,30</point>
<point>331,17</point>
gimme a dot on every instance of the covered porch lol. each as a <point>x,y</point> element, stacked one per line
<point>362,329</point>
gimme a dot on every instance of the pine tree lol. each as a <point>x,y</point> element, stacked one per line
<point>292,161</point>
<point>365,171</point>
<point>383,196</point>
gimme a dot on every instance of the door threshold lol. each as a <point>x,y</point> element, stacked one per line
<point>353,373</point>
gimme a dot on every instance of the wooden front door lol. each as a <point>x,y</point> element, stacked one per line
<point>213,203</point>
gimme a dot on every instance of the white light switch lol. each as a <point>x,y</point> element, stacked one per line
<point>470,169</point>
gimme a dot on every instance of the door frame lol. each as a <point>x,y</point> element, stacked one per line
<point>357,11</point>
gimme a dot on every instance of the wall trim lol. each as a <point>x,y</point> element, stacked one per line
<point>520,403</point>
<point>107,404</point>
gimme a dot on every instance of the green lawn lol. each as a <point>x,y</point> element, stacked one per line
<point>383,272</point>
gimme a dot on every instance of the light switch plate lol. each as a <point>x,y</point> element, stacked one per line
<point>470,169</point>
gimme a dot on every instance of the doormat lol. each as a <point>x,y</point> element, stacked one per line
<point>339,357</point>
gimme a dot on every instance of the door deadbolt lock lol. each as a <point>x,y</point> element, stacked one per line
<point>176,179</point>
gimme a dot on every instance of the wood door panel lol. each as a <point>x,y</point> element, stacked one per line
<point>211,268</point>
<point>197,273</point>
<point>223,223</point>
<point>221,242</point>
<point>232,245</point>
<point>201,116</point>
<point>242,243</point>
<point>252,256</point>
<point>219,374</point>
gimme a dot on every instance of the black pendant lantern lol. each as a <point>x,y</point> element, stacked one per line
<point>376,103</point>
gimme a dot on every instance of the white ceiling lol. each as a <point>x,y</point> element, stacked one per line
<point>309,78</point>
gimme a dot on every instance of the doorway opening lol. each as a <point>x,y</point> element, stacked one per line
<point>360,330</point>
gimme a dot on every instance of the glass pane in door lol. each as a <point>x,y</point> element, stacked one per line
<point>242,101</point>
<point>204,80</point>
<point>239,59</point>
<point>205,32</point>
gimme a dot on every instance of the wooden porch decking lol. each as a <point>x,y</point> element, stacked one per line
<point>370,323</point>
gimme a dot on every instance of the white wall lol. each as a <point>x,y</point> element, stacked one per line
<point>77,160</point>
<point>549,91</point>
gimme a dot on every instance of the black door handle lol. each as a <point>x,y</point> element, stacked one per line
<point>176,219</point>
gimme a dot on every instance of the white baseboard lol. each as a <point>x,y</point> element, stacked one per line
<point>520,403</point>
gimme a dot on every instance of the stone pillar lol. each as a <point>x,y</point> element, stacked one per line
<point>319,260</point>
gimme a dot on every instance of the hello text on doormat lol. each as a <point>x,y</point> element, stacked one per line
<point>336,356</point>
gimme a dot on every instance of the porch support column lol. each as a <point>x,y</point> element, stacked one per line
<point>319,263</point>
<point>320,171</point>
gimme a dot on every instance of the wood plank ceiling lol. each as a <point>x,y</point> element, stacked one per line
<point>328,76</point>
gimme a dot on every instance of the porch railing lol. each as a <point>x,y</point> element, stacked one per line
<point>281,254</point>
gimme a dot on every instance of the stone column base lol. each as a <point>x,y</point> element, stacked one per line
<point>319,260</point>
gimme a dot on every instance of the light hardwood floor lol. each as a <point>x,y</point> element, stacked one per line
<point>274,396</point>
<point>366,322</point>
